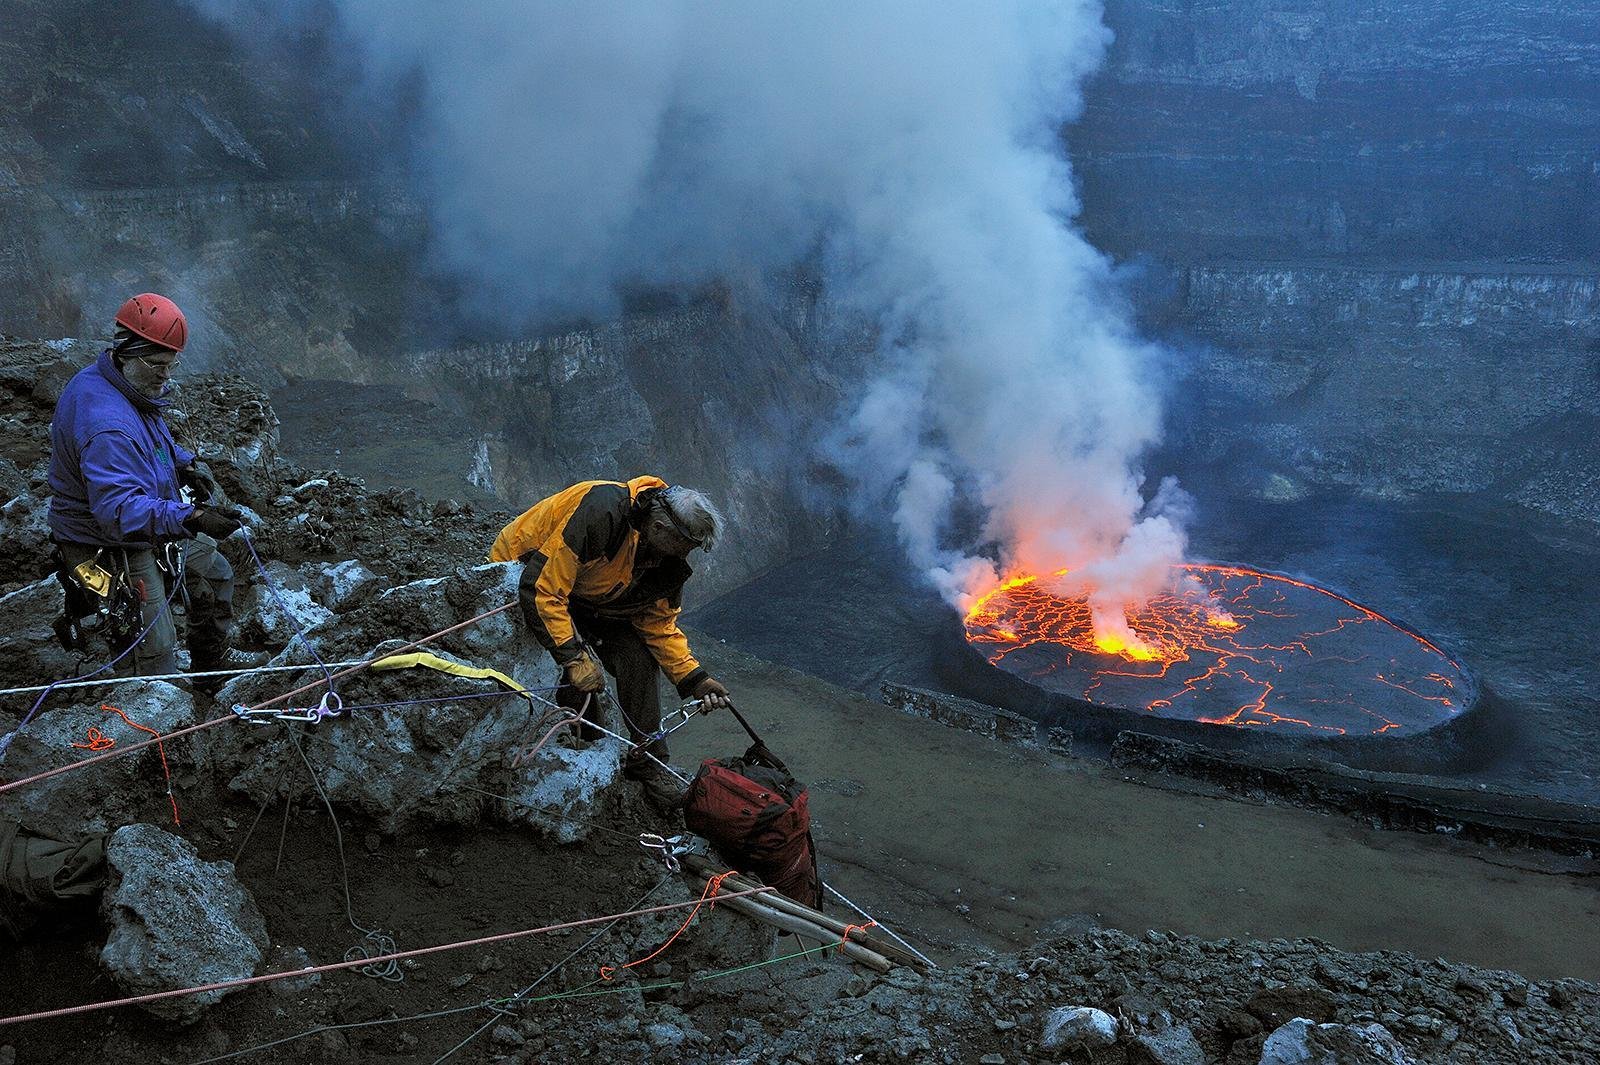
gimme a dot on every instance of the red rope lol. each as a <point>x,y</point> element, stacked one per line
<point>707,896</point>
<point>854,927</point>
<point>159,748</point>
<point>98,741</point>
<point>355,962</point>
<point>259,706</point>
<point>526,754</point>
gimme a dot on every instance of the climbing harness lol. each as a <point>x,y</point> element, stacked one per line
<point>97,602</point>
<point>6,740</point>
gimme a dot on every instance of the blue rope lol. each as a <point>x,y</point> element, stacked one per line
<point>177,582</point>
<point>300,633</point>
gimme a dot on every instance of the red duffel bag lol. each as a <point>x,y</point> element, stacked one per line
<point>757,815</point>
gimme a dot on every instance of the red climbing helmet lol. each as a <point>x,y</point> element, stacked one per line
<point>155,318</point>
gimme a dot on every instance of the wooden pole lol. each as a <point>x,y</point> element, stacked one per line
<point>788,922</point>
<point>700,866</point>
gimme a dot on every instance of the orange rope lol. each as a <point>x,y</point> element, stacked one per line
<point>98,741</point>
<point>854,927</point>
<point>160,748</point>
<point>707,896</point>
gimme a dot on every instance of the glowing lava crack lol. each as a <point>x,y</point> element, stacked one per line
<point>1228,646</point>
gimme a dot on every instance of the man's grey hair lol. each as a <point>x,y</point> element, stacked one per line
<point>693,514</point>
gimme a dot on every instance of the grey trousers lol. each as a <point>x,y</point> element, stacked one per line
<point>206,596</point>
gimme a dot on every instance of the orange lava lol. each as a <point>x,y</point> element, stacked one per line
<point>1227,645</point>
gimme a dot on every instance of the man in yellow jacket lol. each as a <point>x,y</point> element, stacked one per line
<point>603,569</point>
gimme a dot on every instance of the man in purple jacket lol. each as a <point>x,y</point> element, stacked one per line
<point>116,504</point>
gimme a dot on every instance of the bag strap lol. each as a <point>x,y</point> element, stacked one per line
<point>740,718</point>
<point>759,752</point>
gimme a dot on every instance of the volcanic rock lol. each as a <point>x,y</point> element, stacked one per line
<point>273,612</point>
<point>1304,1042</point>
<point>558,790</point>
<point>1276,1006</point>
<point>24,527</point>
<point>176,921</point>
<point>417,744</point>
<point>1166,1046</point>
<point>340,586</point>
<point>283,960</point>
<point>118,791</point>
<point>1078,1028</point>
<point>29,652</point>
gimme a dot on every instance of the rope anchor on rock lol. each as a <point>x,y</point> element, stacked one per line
<point>330,705</point>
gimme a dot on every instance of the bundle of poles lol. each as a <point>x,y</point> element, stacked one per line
<point>787,915</point>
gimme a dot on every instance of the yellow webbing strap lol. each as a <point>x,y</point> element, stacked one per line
<point>444,665</point>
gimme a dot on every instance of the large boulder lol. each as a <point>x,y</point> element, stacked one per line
<point>1078,1028</point>
<point>416,745</point>
<point>1304,1042</point>
<point>176,922</point>
<point>114,792</point>
<point>559,792</point>
<point>341,586</point>
<point>273,613</point>
<point>1174,1045</point>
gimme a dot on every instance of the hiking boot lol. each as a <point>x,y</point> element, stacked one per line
<point>662,790</point>
<point>231,659</point>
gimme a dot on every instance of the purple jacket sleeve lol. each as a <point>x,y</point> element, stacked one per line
<point>119,502</point>
<point>184,457</point>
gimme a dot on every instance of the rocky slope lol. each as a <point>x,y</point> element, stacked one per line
<point>1423,129</point>
<point>1388,382</point>
<point>1175,1000</point>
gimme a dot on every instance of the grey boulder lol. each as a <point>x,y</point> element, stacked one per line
<point>1078,1028</point>
<point>176,921</point>
<point>115,792</point>
<point>1303,1042</point>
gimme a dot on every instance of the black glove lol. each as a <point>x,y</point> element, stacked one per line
<point>219,523</point>
<point>196,477</point>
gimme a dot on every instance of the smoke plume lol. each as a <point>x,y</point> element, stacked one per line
<point>913,149</point>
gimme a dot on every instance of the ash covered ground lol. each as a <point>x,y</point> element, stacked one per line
<point>431,861</point>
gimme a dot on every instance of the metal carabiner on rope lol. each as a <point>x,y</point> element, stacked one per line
<point>331,705</point>
<point>679,718</point>
<point>253,717</point>
<point>666,848</point>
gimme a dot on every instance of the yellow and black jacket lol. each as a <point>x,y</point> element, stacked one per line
<point>577,550</point>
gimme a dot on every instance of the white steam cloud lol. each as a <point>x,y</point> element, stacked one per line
<point>915,145</point>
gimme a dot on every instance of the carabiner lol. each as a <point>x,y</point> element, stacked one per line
<point>331,705</point>
<point>664,847</point>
